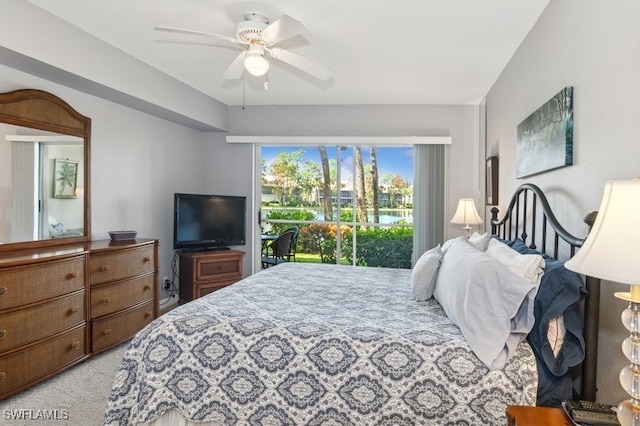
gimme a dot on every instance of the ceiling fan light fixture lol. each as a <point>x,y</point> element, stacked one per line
<point>258,35</point>
<point>256,65</point>
<point>255,62</point>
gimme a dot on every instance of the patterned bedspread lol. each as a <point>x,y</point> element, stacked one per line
<point>315,344</point>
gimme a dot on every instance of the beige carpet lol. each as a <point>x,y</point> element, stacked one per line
<point>76,397</point>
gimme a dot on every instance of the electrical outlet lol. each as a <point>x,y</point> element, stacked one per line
<point>167,283</point>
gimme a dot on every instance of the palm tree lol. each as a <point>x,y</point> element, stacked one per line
<point>326,184</point>
<point>374,185</point>
<point>360,190</point>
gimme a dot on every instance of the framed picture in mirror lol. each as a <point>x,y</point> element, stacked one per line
<point>65,178</point>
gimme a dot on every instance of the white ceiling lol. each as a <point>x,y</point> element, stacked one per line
<point>383,52</point>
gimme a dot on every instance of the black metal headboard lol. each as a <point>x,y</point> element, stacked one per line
<point>544,233</point>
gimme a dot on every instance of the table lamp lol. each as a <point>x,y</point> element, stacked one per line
<point>467,215</point>
<point>610,252</point>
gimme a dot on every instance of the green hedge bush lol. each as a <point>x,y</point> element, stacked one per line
<point>387,247</point>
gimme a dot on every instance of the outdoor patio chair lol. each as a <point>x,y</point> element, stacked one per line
<point>294,243</point>
<point>278,250</point>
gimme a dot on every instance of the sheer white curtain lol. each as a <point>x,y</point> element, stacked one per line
<point>428,198</point>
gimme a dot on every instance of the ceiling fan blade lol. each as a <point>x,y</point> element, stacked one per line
<point>313,68</point>
<point>198,33</point>
<point>281,29</point>
<point>236,68</point>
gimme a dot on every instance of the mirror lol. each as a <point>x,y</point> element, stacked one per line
<point>44,171</point>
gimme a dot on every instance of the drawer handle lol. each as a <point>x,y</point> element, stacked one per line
<point>3,333</point>
<point>105,268</point>
<point>74,275</point>
<point>147,314</point>
<point>107,332</point>
<point>76,344</point>
<point>3,290</point>
<point>2,375</point>
<point>107,300</point>
<point>146,259</point>
<point>147,287</point>
<point>74,310</point>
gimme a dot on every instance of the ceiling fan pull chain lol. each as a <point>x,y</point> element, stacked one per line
<point>243,90</point>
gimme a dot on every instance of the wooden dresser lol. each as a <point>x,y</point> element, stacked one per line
<point>42,315</point>
<point>203,272</point>
<point>60,305</point>
<point>123,278</point>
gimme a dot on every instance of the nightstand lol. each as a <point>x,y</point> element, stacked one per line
<point>519,415</point>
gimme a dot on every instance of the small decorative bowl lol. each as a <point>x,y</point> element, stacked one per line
<point>123,235</point>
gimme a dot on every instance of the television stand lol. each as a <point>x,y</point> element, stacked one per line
<point>202,272</point>
<point>197,249</point>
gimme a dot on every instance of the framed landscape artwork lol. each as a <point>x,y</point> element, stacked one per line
<point>545,138</point>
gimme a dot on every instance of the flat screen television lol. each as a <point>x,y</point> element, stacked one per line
<point>208,222</point>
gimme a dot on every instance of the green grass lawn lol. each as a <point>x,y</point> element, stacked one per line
<point>308,258</point>
<point>314,258</point>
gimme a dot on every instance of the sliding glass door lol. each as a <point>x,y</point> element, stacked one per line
<point>352,205</point>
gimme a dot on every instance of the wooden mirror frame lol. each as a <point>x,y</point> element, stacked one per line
<point>41,110</point>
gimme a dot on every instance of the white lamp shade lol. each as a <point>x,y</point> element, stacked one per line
<point>610,251</point>
<point>466,213</point>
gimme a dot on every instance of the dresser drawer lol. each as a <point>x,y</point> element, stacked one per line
<point>206,288</point>
<point>28,284</point>
<point>23,367</point>
<point>112,329</point>
<point>214,269</point>
<point>125,263</point>
<point>41,320</point>
<point>110,298</point>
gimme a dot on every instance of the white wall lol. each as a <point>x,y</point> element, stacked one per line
<point>138,161</point>
<point>593,46</point>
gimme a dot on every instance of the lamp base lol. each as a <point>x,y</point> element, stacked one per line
<point>467,231</point>
<point>629,410</point>
<point>629,413</point>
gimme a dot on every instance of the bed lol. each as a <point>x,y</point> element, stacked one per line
<point>341,345</point>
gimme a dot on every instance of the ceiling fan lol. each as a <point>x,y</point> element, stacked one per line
<point>258,36</point>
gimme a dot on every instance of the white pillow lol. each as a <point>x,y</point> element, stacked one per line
<point>528,266</point>
<point>492,305</point>
<point>447,244</point>
<point>425,273</point>
<point>480,241</point>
